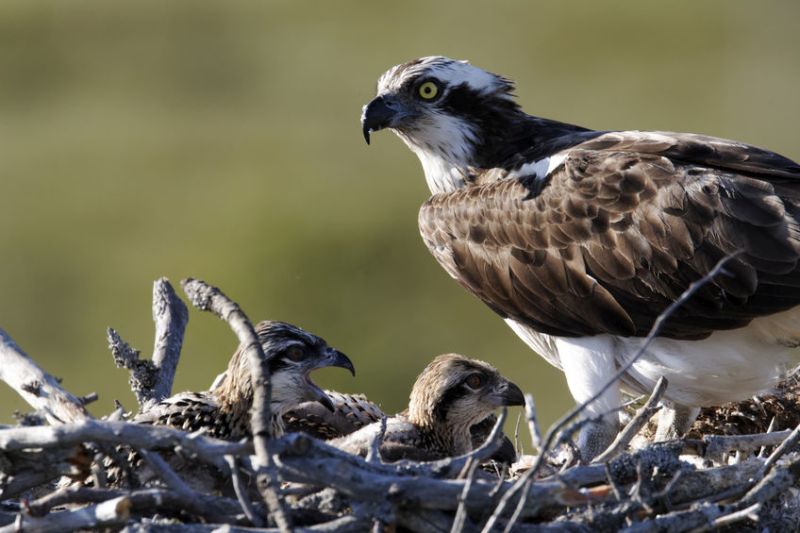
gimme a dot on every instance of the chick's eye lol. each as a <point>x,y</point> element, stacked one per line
<point>428,90</point>
<point>475,381</point>
<point>295,353</point>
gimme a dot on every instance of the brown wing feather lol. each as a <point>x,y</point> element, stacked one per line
<point>621,229</point>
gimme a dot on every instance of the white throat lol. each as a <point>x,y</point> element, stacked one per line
<point>444,145</point>
<point>441,175</point>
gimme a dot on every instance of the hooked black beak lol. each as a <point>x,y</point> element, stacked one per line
<point>511,395</point>
<point>337,358</point>
<point>376,115</point>
<point>332,357</point>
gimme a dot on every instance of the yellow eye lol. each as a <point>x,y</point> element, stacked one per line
<point>428,90</point>
<point>475,381</point>
<point>295,353</point>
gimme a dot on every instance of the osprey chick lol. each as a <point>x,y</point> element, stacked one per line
<point>224,411</point>
<point>351,412</point>
<point>579,239</point>
<point>450,396</point>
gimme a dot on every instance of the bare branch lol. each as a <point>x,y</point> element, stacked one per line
<point>241,492</point>
<point>41,390</point>
<point>784,447</point>
<point>533,423</point>
<point>164,501</point>
<point>141,437</point>
<point>208,298</point>
<point>717,445</point>
<point>637,422</point>
<point>143,372</point>
<point>109,513</point>
<point>170,316</point>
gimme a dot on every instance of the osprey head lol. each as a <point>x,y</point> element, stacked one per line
<point>441,108</point>
<point>292,354</point>
<point>457,392</point>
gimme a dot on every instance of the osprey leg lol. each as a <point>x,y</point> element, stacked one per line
<point>674,420</point>
<point>587,362</point>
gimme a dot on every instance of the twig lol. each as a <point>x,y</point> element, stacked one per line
<point>164,501</point>
<point>716,445</point>
<point>41,390</point>
<point>142,372</point>
<point>763,451</point>
<point>170,316</point>
<point>145,437</point>
<point>208,298</point>
<point>109,513</point>
<point>748,513</point>
<point>777,481</point>
<point>784,447</point>
<point>632,428</point>
<point>523,483</point>
<point>167,474</point>
<point>533,422</point>
<point>461,512</point>
<point>241,492</point>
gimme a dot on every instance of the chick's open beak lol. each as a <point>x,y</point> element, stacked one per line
<point>337,358</point>
<point>332,357</point>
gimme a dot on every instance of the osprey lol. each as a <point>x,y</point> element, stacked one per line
<point>579,239</point>
<point>352,412</point>
<point>451,396</point>
<point>224,411</point>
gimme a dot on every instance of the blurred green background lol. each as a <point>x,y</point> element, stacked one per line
<point>221,140</point>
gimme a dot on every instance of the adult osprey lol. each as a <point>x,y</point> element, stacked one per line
<point>579,239</point>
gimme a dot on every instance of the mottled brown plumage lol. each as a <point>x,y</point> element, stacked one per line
<point>351,412</point>
<point>620,229</point>
<point>224,411</point>
<point>449,397</point>
<point>580,239</point>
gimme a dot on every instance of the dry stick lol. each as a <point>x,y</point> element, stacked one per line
<point>241,492</point>
<point>636,423</point>
<point>208,298</point>
<point>533,422</point>
<point>790,441</point>
<point>524,482</point>
<point>142,371</point>
<point>471,469</point>
<point>151,380</point>
<point>170,316</point>
<point>109,513</point>
<point>162,500</point>
<point>748,513</point>
<point>762,452</point>
<point>716,445</point>
<point>165,472</point>
<point>41,390</point>
<point>141,437</point>
<point>461,513</point>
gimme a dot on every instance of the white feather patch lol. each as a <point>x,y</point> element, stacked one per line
<point>727,366</point>
<point>541,168</point>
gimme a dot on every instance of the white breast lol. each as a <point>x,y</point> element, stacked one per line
<point>727,366</point>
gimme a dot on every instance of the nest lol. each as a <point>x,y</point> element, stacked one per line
<point>738,467</point>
